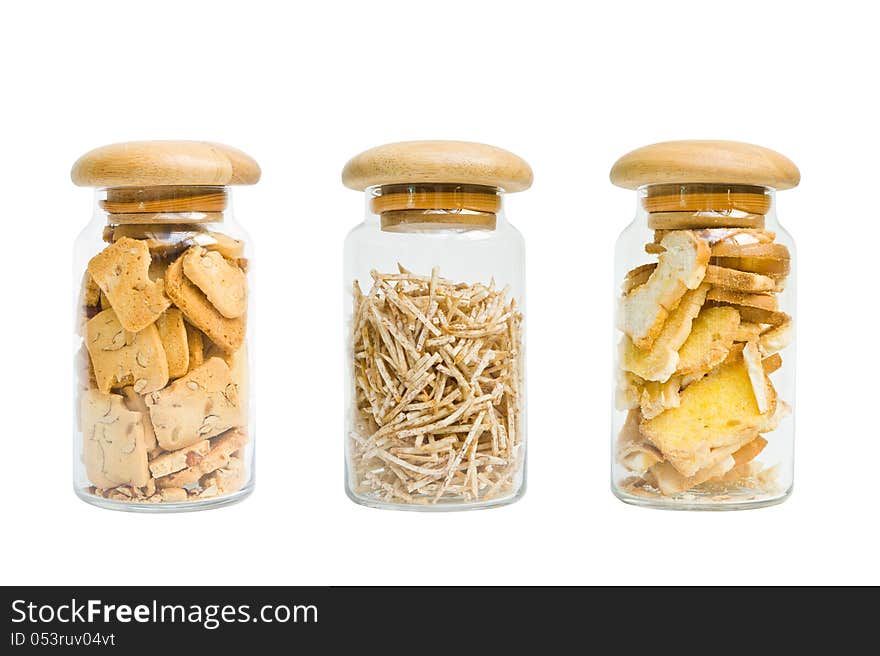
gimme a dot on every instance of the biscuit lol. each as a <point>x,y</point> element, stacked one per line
<point>91,293</point>
<point>715,412</point>
<point>222,282</point>
<point>204,403</point>
<point>175,461</point>
<point>660,362</point>
<point>135,402</point>
<point>680,267</point>
<point>230,248</point>
<point>227,333</point>
<point>122,272</point>
<point>195,345</point>
<point>225,480</point>
<point>762,301</point>
<point>740,281</point>
<point>708,344</point>
<point>162,239</point>
<point>172,332</point>
<point>114,452</point>
<point>121,358</point>
<point>218,456</point>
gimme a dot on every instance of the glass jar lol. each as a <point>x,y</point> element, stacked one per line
<point>434,312</point>
<point>705,363</point>
<point>162,286</point>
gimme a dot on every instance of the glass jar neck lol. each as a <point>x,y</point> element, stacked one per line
<point>421,206</point>
<point>709,198</point>
<point>163,204</point>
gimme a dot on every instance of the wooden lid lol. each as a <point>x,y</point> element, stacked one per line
<point>681,162</point>
<point>151,163</point>
<point>453,162</point>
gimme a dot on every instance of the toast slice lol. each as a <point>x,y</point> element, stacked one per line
<point>748,331</point>
<point>680,267</point>
<point>633,451</point>
<point>660,361</point>
<point>777,338</point>
<point>762,301</point>
<point>739,281</point>
<point>717,411</point>
<point>712,335</point>
<point>761,385</point>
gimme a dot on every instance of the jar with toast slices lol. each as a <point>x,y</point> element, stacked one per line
<point>435,387</point>
<point>162,305</point>
<point>704,369</point>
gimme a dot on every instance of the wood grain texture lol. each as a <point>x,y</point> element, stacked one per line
<point>731,162</point>
<point>457,162</point>
<point>485,201</point>
<point>148,163</point>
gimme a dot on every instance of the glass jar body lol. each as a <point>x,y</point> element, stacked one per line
<point>704,367</point>
<point>163,421</point>
<point>435,387</point>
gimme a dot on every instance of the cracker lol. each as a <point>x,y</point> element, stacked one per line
<point>91,293</point>
<point>228,247</point>
<point>222,282</point>
<point>218,456</point>
<point>227,333</point>
<point>122,272</point>
<point>162,239</point>
<point>172,332</point>
<point>225,480</point>
<point>204,403</point>
<point>121,358</point>
<point>135,402</point>
<point>114,452</point>
<point>175,461</point>
<point>195,345</point>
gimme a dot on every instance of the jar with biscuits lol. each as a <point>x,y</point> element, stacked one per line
<point>703,414</point>
<point>163,417</point>
<point>434,313</point>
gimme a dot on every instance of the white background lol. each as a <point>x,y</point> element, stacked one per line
<point>570,87</point>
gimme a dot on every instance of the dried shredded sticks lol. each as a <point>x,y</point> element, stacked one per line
<point>437,390</point>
